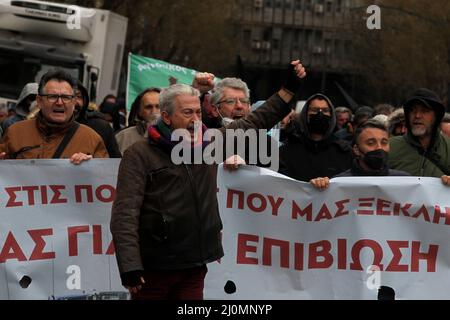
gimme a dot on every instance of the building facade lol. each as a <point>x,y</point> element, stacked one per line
<point>272,32</point>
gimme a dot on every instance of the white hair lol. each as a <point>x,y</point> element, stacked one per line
<point>233,83</point>
<point>168,95</point>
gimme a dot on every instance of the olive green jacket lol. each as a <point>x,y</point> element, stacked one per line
<point>408,155</point>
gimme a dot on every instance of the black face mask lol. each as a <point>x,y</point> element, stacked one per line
<point>376,159</point>
<point>319,123</point>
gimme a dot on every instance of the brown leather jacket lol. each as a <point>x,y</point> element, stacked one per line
<point>34,139</point>
<point>166,216</point>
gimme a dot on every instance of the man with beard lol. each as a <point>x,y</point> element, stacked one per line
<point>144,113</point>
<point>312,150</point>
<point>423,150</point>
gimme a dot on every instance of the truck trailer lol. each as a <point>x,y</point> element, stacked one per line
<point>36,36</point>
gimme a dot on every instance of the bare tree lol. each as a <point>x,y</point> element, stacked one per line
<point>411,50</point>
<point>195,34</point>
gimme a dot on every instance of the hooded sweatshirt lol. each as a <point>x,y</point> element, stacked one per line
<point>408,154</point>
<point>303,159</point>
<point>95,121</point>
<point>395,118</point>
<point>22,107</point>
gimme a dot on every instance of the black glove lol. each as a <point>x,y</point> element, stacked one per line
<point>292,82</point>
<point>131,278</point>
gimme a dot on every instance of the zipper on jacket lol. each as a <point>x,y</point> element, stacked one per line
<point>165,235</point>
<point>152,173</point>
<point>194,194</point>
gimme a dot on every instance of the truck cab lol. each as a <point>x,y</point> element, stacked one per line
<point>36,36</point>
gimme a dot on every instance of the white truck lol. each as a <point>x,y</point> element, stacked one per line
<point>36,36</point>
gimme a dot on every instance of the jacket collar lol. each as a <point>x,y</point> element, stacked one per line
<point>48,129</point>
<point>414,141</point>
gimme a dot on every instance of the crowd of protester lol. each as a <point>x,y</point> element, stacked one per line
<point>165,221</point>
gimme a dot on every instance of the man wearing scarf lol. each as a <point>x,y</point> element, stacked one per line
<point>40,138</point>
<point>165,219</point>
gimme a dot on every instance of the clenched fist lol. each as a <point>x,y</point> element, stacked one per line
<point>203,81</point>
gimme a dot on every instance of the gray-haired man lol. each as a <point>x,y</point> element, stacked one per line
<point>165,219</point>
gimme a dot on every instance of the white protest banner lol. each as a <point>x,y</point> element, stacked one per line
<point>54,235</point>
<point>283,239</point>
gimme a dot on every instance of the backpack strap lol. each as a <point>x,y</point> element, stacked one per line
<point>14,155</point>
<point>65,141</point>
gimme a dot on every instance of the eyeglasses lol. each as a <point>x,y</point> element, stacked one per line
<point>65,98</point>
<point>316,110</point>
<point>233,101</point>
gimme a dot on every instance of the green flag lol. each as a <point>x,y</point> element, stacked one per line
<point>146,72</point>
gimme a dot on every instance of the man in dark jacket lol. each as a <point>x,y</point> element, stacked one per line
<point>312,150</point>
<point>371,149</point>
<point>165,220</point>
<point>423,150</point>
<point>95,121</point>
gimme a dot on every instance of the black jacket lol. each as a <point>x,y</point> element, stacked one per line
<point>303,159</point>
<point>357,171</point>
<point>104,130</point>
<point>95,121</point>
<point>166,216</point>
